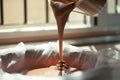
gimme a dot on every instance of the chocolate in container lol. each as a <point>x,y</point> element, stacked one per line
<point>89,7</point>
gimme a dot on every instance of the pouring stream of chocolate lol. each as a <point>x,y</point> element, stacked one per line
<point>61,12</point>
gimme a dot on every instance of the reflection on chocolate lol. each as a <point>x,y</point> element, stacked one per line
<point>65,1</point>
<point>62,65</point>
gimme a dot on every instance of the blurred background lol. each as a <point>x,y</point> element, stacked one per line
<point>32,21</point>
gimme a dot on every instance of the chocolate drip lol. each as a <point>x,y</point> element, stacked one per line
<point>61,13</point>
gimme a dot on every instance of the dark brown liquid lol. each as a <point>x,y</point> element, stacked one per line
<point>61,12</point>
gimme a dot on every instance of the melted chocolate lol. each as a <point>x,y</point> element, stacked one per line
<point>61,12</point>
